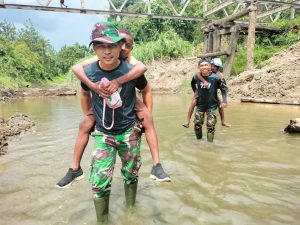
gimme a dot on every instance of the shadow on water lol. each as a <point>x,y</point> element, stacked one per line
<point>249,175</point>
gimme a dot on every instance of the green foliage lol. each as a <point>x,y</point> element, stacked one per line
<point>7,31</point>
<point>168,45</point>
<point>267,45</point>
<point>68,55</point>
<point>240,61</point>
<point>26,57</point>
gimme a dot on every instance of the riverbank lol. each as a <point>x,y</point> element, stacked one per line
<point>278,81</point>
<point>15,125</point>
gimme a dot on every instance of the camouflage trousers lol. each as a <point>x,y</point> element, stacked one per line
<point>210,121</point>
<point>103,160</point>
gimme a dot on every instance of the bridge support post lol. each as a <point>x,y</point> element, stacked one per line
<point>216,40</point>
<point>235,31</point>
<point>210,41</point>
<point>251,36</point>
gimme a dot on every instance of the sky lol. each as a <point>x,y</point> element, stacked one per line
<point>59,28</point>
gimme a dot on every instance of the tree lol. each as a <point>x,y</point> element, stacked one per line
<point>8,30</point>
<point>68,55</point>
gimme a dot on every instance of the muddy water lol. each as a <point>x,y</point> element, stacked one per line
<point>249,175</point>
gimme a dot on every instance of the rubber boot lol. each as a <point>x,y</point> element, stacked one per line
<point>198,133</point>
<point>101,206</point>
<point>130,194</point>
<point>210,137</point>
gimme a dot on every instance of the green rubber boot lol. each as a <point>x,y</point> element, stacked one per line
<point>198,133</point>
<point>101,206</point>
<point>130,194</point>
<point>210,137</point>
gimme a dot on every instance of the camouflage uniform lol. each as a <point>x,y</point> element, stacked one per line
<point>127,145</point>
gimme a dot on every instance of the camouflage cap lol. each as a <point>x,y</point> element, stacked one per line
<point>106,32</point>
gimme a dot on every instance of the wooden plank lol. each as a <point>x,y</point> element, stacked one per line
<point>279,9</point>
<point>100,12</point>
<point>219,7</point>
<point>245,25</point>
<point>290,4</point>
<point>232,17</point>
<point>212,54</point>
<point>270,101</point>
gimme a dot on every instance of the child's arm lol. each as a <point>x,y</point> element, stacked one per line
<point>78,69</point>
<point>220,74</point>
<point>224,90</point>
<point>205,84</point>
<point>193,84</point>
<point>138,70</point>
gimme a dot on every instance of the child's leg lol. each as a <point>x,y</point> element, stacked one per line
<point>85,126</point>
<point>191,110</point>
<point>145,116</point>
<point>222,115</point>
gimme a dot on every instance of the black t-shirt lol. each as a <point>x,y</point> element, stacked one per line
<point>125,116</point>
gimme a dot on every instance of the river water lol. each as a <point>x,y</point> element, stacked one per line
<point>249,175</point>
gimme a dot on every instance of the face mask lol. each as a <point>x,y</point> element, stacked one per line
<point>114,101</point>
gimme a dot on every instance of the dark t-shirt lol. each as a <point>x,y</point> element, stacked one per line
<point>208,98</point>
<point>125,116</point>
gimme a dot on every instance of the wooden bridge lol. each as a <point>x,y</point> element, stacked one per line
<point>268,8</point>
<point>220,17</point>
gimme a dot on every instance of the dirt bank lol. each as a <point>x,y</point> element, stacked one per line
<point>9,94</point>
<point>15,125</point>
<point>278,80</point>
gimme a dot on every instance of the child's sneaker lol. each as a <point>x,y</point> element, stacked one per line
<point>70,177</point>
<point>158,173</point>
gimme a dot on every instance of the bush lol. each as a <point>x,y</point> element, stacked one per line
<point>169,45</point>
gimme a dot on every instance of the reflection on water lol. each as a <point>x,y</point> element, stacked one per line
<point>249,175</point>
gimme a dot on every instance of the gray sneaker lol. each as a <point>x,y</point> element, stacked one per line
<point>70,177</point>
<point>158,174</point>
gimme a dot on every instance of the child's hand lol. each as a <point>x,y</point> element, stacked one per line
<point>205,84</point>
<point>223,105</point>
<point>139,127</point>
